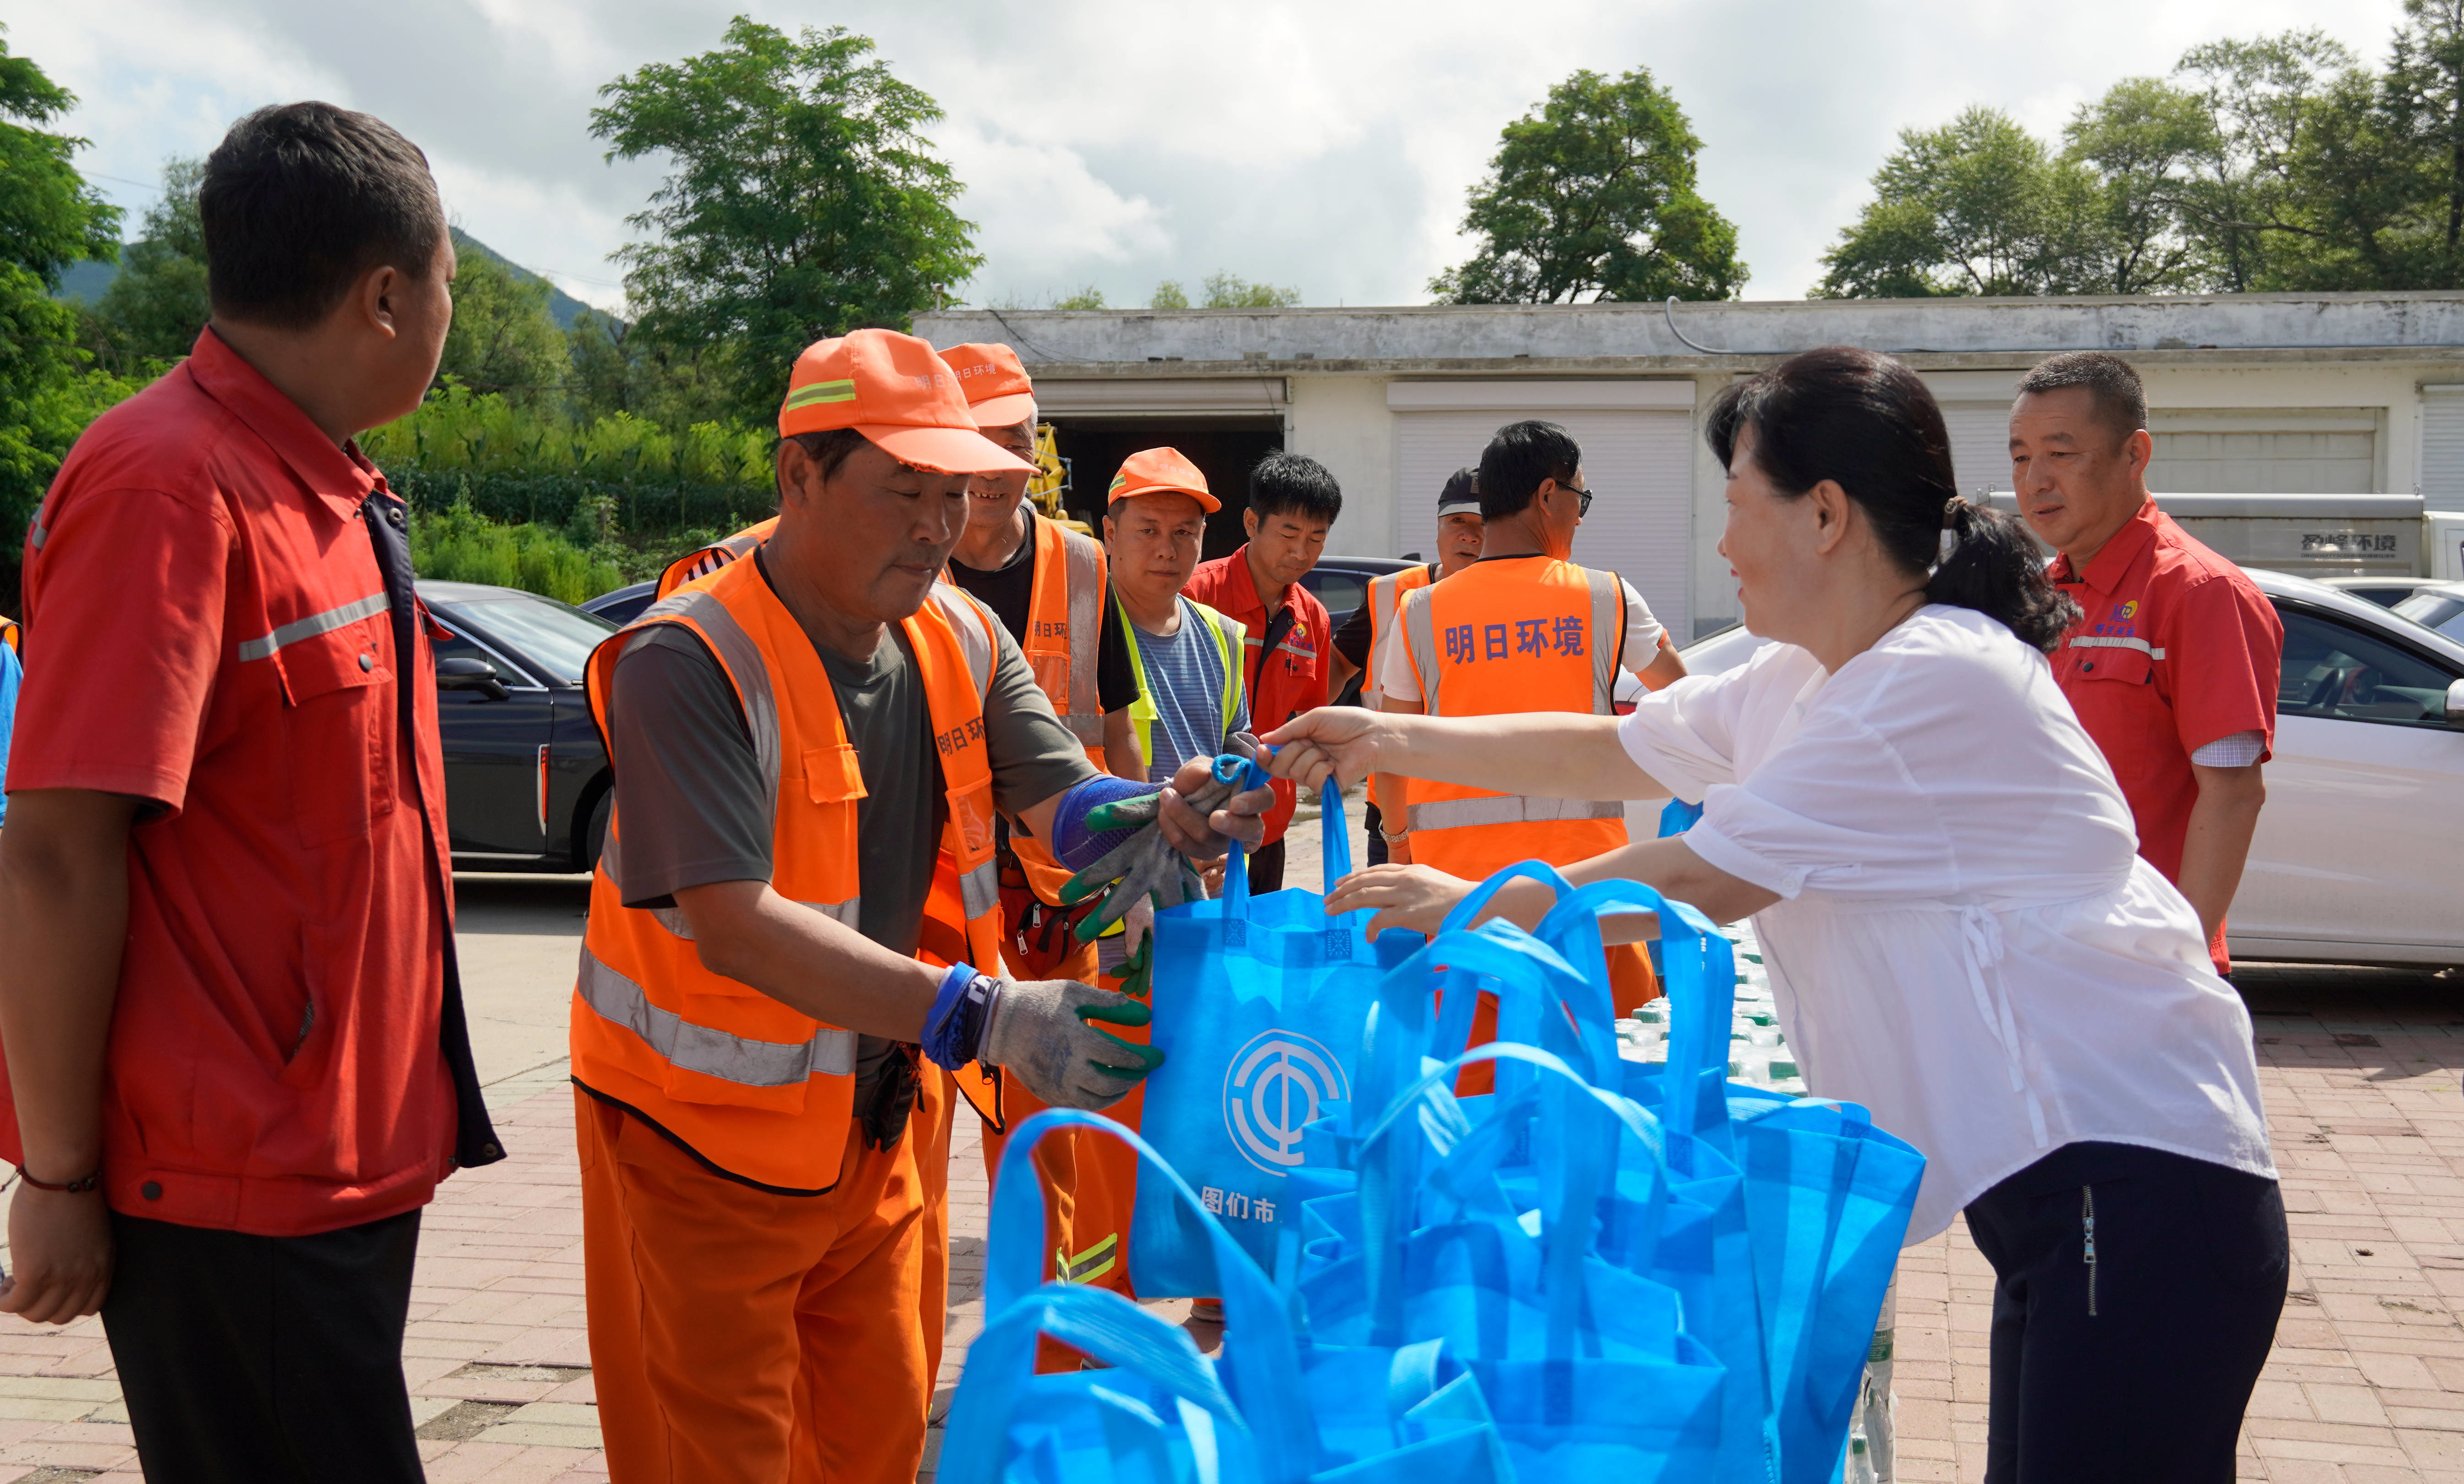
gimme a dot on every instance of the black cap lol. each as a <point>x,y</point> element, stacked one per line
<point>1462,491</point>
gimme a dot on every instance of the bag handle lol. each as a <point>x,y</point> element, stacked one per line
<point>1577,1164</point>
<point>1401,1032</point>
<point>1264,1358</point>
<point>1700,985</point>
<point>1460,918</point>
<point>1000,1365</point>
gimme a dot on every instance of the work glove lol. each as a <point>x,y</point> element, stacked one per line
<point>1041,1030</point>
<point>1145,867</point>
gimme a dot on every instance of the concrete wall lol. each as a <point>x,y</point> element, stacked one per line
<point>2291,352</point>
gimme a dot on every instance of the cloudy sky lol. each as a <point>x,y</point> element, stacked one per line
<point>1322,144</point>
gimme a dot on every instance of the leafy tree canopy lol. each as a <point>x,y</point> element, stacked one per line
<point>1594,196</point>
<point>157,304</point>
<point>503,338</point>
<point>802,201</point>
<point>1169,295</point>
<point>2279,163</point>
<point>1230,290</point>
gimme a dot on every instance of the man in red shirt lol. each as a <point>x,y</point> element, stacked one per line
<point>2174,662</point>
<point>1293,500</point>
<point>237,1059</point>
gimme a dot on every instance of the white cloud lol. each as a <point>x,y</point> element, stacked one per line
<point>1326,144</point>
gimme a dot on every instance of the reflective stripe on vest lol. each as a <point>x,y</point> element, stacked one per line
<point>1228,639</point>
<point>711,1061</point>
<point>1386,595</point>
<point>696,1048</point>
<point>716,554</point>
<point>1513,647</point>
<point>1065,629</point>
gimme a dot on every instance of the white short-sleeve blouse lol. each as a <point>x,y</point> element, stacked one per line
<point>1967,943</point>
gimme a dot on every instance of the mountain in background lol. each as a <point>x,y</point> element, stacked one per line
<point>84,282</point>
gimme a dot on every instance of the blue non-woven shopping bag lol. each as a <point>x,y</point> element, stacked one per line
<point>1276,1408</point>
<point>1826,1194</point>
<point>1259,1002</point>
<point>1587,1367</point>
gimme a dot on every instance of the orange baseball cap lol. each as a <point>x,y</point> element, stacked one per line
<point>997,387</point>
<point>1157,472</point>
<point>892,388</point>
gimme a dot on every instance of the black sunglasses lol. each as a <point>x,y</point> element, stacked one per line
<point>1584,495</point>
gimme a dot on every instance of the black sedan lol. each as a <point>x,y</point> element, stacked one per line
<point>526,779</point>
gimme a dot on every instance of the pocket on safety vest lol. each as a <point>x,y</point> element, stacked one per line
<point>833,774</point>
<point>972,808</point>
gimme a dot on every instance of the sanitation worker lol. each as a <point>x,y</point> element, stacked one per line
<point>1368,636</point>
<point>1523,629</point>
<point>793,905</point>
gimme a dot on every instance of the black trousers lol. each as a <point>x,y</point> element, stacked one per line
<point>1266,868</point>
<point>2134,1363</point>
<point>1376,823</point>
<point>265,1360</point>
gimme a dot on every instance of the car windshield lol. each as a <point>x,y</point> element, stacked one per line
<point>1339,589</point>
<point>553,637</point>
<point>2441,611</point>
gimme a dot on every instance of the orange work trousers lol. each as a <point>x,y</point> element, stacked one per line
<point>1090,1182</point>
<point>739,1335</point>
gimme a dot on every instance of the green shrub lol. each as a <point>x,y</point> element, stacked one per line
<point>460,545</point>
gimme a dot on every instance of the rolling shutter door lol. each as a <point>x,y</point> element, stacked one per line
<point>2442,447</point>
<point>2264,451</point>
<point>1639,462</point>
<point>1980,444</point>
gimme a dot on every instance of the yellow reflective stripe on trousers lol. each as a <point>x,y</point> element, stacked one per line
<point>1089,1265</point>
<point>1085,719</point>
<point>712,1053</point>
<point>314,624</point>
<point>1454,814</point>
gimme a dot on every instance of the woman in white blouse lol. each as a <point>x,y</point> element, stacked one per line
<point>1958,927</point>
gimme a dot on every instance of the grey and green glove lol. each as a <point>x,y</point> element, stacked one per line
<point>1042,1030</point>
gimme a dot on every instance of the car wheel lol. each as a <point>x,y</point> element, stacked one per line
<point>595,834</point>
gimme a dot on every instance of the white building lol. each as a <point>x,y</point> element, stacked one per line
<point>2252,394</point>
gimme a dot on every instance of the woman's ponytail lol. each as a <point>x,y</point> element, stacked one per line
<point>1866,421</point>
<point>1989,564</point>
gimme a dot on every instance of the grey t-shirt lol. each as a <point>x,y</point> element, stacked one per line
<point>692,804</point>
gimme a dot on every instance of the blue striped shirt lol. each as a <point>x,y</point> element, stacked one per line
<point>1184,677</point>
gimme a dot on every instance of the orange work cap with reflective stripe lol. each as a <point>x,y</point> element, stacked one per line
<point>997,390</point>
<point>892,388</point>
<point>1161,471</point>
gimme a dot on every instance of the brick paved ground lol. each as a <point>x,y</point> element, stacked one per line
<point>2366,1385</point>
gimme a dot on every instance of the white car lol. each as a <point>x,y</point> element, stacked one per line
<point>2365,811</point>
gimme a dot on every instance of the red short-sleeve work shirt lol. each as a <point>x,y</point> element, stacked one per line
<point>1283,684</point>
<point>210,631</point>
<point>2174,649</point>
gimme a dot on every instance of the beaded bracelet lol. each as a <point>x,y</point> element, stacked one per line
<point>92,1182</point>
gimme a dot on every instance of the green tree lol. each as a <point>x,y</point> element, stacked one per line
<point>1593,195</point>
<point>1169,295</point>
<point>801,202</point>
<point>2129,161</point>
<point>1087,297</point>
<point>156,305</point>
<point>503,338</point>
<point>1956,210</point>
<point>2243,203</point>
<point>1229,291</point>
<point>49,218</point>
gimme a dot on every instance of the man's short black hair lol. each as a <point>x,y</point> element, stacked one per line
<point>1519,459</point>
<point>300,199</point>
<point>1294,484</point>
<point>2120,401</point>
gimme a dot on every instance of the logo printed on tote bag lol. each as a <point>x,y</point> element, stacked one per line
<point>1272,1091</point>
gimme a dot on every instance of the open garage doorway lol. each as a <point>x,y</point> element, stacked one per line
<point>1224,449</point>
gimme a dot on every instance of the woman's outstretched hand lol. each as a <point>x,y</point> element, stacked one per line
<point>1416,897</point>
<point>1332,741</point>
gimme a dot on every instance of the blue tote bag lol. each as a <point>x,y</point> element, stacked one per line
<point>1276,1408</point>
<point>1258,1006</point>
<point>1587,1367</point>
<point>1826,1194</point>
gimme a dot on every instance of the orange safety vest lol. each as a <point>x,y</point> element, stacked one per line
<point>758,1089</point>
<point>1386,595</point>
<point>716,554</point>
<point>1065,625</point>
<point>1501,638</point>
